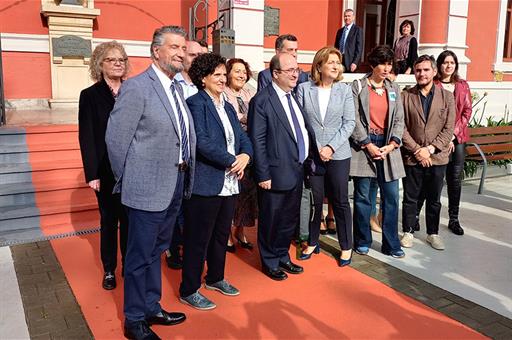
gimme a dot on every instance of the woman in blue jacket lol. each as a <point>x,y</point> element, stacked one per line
<point>222,154</point>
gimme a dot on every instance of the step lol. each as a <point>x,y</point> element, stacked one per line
<point>25,192</point>
<point>15,212</point>
<point>23,235</point>
<point>42,165</point>
<point>70,222</point>
<point>54,146</point>
<point>13,136</point>
<point>23,223</point>
<point>41,176</point>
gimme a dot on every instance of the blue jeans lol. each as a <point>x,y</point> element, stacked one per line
<point>374,186</point>
<point>363,207</point>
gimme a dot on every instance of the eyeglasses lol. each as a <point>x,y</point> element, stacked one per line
<point>290,71</point>
<point>115,60</point>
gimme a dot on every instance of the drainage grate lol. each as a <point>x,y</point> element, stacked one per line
<point>48,238</point>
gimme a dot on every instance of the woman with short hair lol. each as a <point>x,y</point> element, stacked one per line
<point>223,151</point>
<point>376,152</point>
<point>406,48</point>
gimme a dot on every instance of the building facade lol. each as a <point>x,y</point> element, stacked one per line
<point>34,73</point>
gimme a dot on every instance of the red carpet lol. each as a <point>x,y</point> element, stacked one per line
<point>325,302</point>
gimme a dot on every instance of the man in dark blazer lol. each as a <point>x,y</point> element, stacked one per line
<point>281,137</point>
<point>286,43</point>
<point>429,113</point>
<point>349,40</point>
<point>151,145</point>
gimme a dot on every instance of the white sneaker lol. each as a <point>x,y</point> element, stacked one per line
<point>407,240</point>
<point>435,241</point>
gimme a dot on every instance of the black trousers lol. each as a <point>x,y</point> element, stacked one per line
<point>205,237</point>
<point>454,179</point>
<point>112,216</point>
<point>334,184</point>
<point>429,183</point>
<point>278,217</point>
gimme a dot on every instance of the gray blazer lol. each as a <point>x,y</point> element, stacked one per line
<point>361,164</point>
<point>339,120</point>
<point>143,144</point>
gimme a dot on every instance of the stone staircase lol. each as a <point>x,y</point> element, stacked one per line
<point>42,188</point>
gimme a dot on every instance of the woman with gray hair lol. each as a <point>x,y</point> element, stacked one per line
<point>108,68</point>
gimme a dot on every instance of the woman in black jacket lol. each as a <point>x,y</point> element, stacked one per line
<point>108,68</point>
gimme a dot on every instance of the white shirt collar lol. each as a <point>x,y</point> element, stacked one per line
<point>179,77</point>
<point>280,91</point>
<point>349,26</point>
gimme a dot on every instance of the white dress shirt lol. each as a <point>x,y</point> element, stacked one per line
<point>166,83</point>
<point>284,101</point>
<point>230,186</point>
<point>189,89</point>
<point>323,100</point>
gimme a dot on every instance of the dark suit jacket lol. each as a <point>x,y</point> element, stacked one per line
<point>276,156</point>
<point>353,46</point>
<point>265,79</point>
<point>436,130</point>
<point>212,157</point>
<point>94,108</point>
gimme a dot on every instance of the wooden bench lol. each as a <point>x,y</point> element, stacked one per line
<point>489,144</point>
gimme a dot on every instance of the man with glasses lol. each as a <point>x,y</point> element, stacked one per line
<point>429,113</point>
<point>286,43</point>
<point>281,136</point>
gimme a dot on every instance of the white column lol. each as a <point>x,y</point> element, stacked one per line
<point>246,17</point>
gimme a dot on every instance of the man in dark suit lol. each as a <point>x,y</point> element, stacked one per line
<point>151,145</point>
<point>286,43</point>
<point>349,40</point>
<point>281,137</point>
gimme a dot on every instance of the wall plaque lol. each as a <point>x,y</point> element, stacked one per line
<point>71,46</point>
<point>271,25</point>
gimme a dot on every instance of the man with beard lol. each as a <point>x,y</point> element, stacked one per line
<point>151,145</point>
<point>429,113</point>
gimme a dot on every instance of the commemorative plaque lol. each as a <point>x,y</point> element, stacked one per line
<point>271,25</point>
<point>71,46</point>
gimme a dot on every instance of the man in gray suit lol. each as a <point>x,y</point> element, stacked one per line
<point>151,144</point>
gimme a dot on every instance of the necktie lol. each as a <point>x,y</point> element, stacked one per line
<point>242,108</point>
<point>342,40</point>
<point>298,132</point>
<point>183,128</point>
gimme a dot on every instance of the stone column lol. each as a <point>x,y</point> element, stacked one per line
<point>70,24</point>
<point>246,17</point>
<point>443,26</point>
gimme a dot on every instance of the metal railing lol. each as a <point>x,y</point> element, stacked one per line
<point>2,98</point>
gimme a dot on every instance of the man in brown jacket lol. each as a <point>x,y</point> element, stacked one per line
<point>429,120</point>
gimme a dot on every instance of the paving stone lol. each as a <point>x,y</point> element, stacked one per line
<point>452,309</point>
<point>483,315</point>
<point>45,336</point>
<point>438,303</point>
<point>50,306</point>
<point>497,331</point>
<point>77,333</point>
<point>461,301</point>
<point>466,320</point>
<point>506,321</point>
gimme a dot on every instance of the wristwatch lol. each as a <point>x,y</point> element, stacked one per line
<point>431,149</point>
